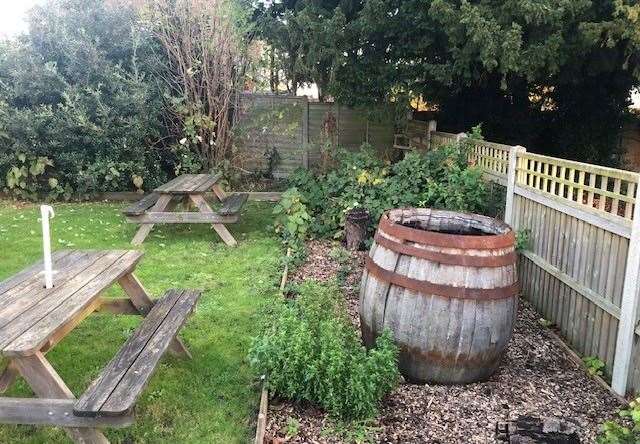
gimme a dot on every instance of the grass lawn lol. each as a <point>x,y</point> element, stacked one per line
<point>211,399</point>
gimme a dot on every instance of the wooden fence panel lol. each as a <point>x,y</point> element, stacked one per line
<point>298,129</point>
<point>581,269</point>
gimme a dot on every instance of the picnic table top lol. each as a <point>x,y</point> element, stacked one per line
<point>31,314</point>
<point>190,184</point>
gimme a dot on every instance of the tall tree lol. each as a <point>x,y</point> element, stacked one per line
<point>307,38</point>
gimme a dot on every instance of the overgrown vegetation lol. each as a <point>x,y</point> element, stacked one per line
<point>629,433</point>
<point>553,75</point>
<point>117,95</point>
<point>440,178</point>
<point>310,352</point>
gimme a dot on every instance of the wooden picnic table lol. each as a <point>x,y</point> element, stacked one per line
<point>189,189</point>
<point>34,319</point>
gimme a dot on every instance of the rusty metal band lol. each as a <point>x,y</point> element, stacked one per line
<point>466,242</point>
<point>446,258</point>
<point>446,291</point>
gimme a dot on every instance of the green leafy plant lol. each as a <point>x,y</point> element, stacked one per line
<point>293,427</point>
<point>595,366</point>
<point>612,432</point>
<point>523,239</point>
<point>310,352</point>
<point>292,223</point>
<point>441,178</point>
<point>28,174</point>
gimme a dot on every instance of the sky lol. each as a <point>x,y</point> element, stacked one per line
<point>12,15</point>
<point>12,22</point>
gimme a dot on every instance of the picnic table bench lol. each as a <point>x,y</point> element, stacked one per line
<point>34,319</point>
<point>157,207</point>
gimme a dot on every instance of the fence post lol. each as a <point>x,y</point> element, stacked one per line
<point>629,308</point>
<point>431,127</point>
<point>460,136</point>
<point>305,133</point>
<point>511,181</point>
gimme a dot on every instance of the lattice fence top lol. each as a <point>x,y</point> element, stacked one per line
<point>597,189</point>
<point>439,138</point>
<point>492,158</point>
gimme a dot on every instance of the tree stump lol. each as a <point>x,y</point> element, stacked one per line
<point>355,227</point>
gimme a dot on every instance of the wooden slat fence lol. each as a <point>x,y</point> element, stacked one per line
<point>298,130</point>
<point>581,267</point>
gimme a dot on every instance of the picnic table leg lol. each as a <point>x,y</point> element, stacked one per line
<point>143,303</point>
<point>219,192</point>
<point>222,231</point>
<point>46,383</point>
<point>8,377</point>
<point>145,229</point>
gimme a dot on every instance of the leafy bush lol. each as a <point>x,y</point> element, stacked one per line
<point>292,222</point>
<point>440,178</point>
<point>310,352</point>
<point>615,433</point>
<point>80,90</point>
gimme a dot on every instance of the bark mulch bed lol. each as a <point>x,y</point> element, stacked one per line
<point>536,378</point>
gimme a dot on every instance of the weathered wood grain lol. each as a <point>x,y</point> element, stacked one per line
<point>142,205</point>
<point>442,338</point>
<point>115,391</point>
<point>55,412</point>
<point>233,204</point>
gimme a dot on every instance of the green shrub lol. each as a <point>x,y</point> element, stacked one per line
<point>310,352</point>
<point>440,178</point>
<point>615,433</point>
<point>81,90</point>
<point>292,222</point>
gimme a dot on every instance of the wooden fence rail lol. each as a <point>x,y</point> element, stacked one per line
<point>581,267</point>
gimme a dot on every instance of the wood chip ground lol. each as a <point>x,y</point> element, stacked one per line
<point>536,378</point>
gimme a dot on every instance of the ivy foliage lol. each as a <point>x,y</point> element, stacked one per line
<point>310,352</point>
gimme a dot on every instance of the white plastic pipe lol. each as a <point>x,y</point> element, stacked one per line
<point>47,212</point>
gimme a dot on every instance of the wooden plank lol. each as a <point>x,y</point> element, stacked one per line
<point>21,298</point>
<point>46,383</point>
<point>594,297</point>
<point>34,283</point>
<point>144,230</point>
<point>629,308</point>
<point>142,205</point>
<point>125,377</point>
<point>152,217</point>
<point>222,231</point>
<point>30,272</point>
<point>606,221</point>
<point>233,204</point>
<point>55,412</point>
<point>64,308</point>
<point>174,184</point>
<point>209,182</point>
<point>143,303</point>
<point>261,424</point>
<point>99,391</point>
<point>118,306</point>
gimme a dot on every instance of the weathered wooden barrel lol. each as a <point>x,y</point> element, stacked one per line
<point>445,283</point>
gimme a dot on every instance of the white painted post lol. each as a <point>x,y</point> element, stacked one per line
<point>511,181</point>
<point>629,307</point>
<point>46,212</point>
